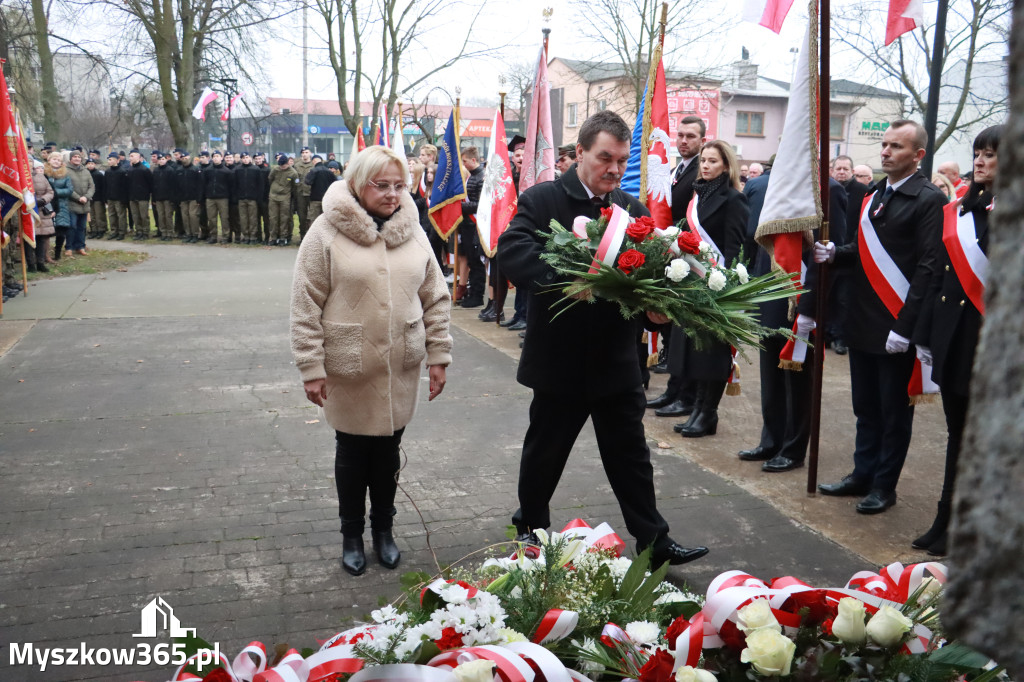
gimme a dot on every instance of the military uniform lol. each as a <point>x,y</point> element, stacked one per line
<point>318,180</point>
<point>302,169</point>
<point>140,189</point>
<point>98,206</point>
<point>217,190</point>
<point>248,188</point>
<point>116,186</point>
<point>165,191</point>
<point>283,181</point>
<point>190,199</point>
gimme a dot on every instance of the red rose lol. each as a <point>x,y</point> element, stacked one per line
<point>606,213</point>
<point>659,667</point>
<point>450,639</point>
<point>640,229</point>
<point>218,675</point>
<point>631,260</point>
<point>689,242</point>
<point>674,630</point>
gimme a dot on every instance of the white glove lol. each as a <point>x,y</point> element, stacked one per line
<point>824,252</point>
<point>804,326</point>
<point>924,355</point>
<point>896,343</point>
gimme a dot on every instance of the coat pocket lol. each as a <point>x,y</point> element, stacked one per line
<point>415,343</point>
<point>343,349</point>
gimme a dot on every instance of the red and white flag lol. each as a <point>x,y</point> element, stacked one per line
<point>659,172</point>
<point>231,106</point>
<point>205,99</point>
<point>767,13</point>
<point>904,16</point>
<point>498,199</point>
<point>539,157</point>
<point>17,194</point>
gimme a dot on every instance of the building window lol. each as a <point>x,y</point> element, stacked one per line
<point>602,104</point>
<point>570,116</point>
<point>750,123</point>
<point>835,127</point>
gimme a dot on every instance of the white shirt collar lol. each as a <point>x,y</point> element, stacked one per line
<point>895,186</point>
<point>591,194</point>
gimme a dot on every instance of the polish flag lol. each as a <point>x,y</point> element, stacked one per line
<point>539,157</point>
<point>231,105</point>
<point>383,137</point>
<point>498,201</point>
<point>767,13</point>
<point>659,171</point>
<point>205,99</point>
<point>398,144</point>
<point>904,16</point>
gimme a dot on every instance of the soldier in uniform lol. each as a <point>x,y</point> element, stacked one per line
<point>319,179</point>
<point>116,185</point>
<point>140,189</point>
<point>263,203</point>
<point>248,188</point>
<point>283,181</point>
<point>190,198</point>
<point>217,190</point>
<point>302,168</point>
<point>203,160</point>
<point>98,207</point>
<point>165,190</point>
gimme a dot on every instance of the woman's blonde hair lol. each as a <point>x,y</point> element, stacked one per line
<point>943,183</point>
<point>369,163</point>
<point>51,172</point>
<point>732,164</point>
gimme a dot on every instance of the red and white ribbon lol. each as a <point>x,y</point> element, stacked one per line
<point>555,625</point>
<point>579,226</point>
<point>602,537</point>
<point>403,672</point>
<point>960,236</point>
<point>614,234</point>
<point>510,666</point>
<point>693,220</point>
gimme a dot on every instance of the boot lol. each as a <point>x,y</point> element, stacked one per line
<point>488,308</point>
<point>40,267</point>
<point>938,548</point>
<point>706,423</point>
<point>938,529</point>
<point>460,291</point>
<point>353,558</point>
<point>698,407</point>
<point>386,549</point>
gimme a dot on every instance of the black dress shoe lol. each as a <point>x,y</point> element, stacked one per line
<point>877,501</point>
<point>487,308</point>
<point>675,554</point>
<point>660,368</point>
<point>491,317</point>
<point>509,323</point>
<point>522,335</point>
<point>529,538</point>
<point>386,549</point>
<point>839,347</point>
<point>353,559</point>
<point>518,326</point>
<point>661,401</point>
<point>706,424</point>
<point>676,408</point>
<point>758,454</point>
<point>780,463</point>
<point>845,488</point>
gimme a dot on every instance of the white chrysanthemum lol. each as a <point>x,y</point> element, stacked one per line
<point>508,636</point>
<point>618,567</point>
<point>677,270</point>
<point>716,280</point>
<point>516,592</point>
<point>704,247</point>
<point>643,632</point>
<point>585,665</point>
<point>671,233</point>
<point>387,614</point>
<point>741,271</point>
<point>455,594</point>
<point>671,597</point>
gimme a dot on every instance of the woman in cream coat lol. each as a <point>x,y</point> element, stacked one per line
<point>369,306</point>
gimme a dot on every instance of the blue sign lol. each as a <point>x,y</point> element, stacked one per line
<point>314,130</point>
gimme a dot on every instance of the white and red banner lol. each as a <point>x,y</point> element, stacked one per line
<point>970,263</point>
<point>608,249</point>
<point>231,106</point>
<point>539,157</point>
<point>498,200</point>
<point>398,144</point>
<point>767,13</point>
<point>384,136</point>
<point>903,16</point>
<point>205,99</point>
<point>16,190</point>
<point>659,170</point>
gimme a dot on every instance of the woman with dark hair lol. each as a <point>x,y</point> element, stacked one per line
<point>718,211</point>
<point>947,332</point>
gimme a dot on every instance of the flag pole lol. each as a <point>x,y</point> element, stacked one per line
<point>455,279</point>
<point>824,79</point>
<point>652,74</point>
<point>500,285</point>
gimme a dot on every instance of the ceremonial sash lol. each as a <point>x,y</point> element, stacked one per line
<point>884,276</point>
<point>694,223</point>
<point>732,387</point>
<point>960,236</point>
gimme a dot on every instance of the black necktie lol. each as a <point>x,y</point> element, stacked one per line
<point>886,195</point>
<point>599,202</point>
<point>679,172</point>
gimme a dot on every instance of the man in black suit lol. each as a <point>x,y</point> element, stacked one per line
<point>839,291</point>
<point>900,230</point>
<point>679,395</point>
<point>603,379</point>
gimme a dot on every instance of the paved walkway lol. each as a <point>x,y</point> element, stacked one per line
<point>155,441</point>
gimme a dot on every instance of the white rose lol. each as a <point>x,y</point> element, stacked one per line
<point>480,670</point>
<point>741,270</point>
<point>677,270</point>
<point>691,674</point>
<point>643,632</point>
<point>757,615</point>
<point>848,625</point>
<point>704,247</point>
<point>671,232</point>
<point>716,280</point>
<point>887,626</point>
<point>769,652</point>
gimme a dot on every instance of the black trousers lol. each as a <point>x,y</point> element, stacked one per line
<point>785,402</point>
<point>885,417</point>
<point>679,387</point>
<point>955,407</point>
<point>361,463</point>
<point>555,422</point>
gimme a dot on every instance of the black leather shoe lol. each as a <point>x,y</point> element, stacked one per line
<point>758,454</point>
<point>839,347</point>
<point>660,368</point>
<point>677,408</point>
<point>706,424</point>
<point>386,549</point>
<point>518,326</point>
<point>845,488</point>
<point>522,335</point>
<point>877,501</point>
<point>509,323</point>
<point>675,554</point>
<point>661,401</point>
<point>529,538</point>
<point>491,317</point>
<point>780,463</point>
<point>939,547</point>
<point>353,559</point>
<point>487,308</point>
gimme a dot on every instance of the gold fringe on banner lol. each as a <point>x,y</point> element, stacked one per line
<point>791,365</point>
<point>924,399</point>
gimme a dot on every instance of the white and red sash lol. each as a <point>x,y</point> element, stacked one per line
<point>794,353</point>
<point>694,222</point>
<point>970,263</point>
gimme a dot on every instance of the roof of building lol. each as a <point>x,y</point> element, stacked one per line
<point>592,71</point>
<point>330,107</point>
<point>841,86</point>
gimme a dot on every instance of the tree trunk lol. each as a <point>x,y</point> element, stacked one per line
<point>51,102</point>
<point>985,595</point>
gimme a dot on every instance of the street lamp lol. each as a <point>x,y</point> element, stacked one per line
<point>230,84</point>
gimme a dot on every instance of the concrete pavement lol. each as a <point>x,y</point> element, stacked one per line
<point>155,441</point>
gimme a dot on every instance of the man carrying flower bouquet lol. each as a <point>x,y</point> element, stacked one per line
<point>599,378</point>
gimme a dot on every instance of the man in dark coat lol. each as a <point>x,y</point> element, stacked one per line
<point>469,239</point>
<point>679,395</point>
<point>116,187</point>
<point>98,206</point>
<point>603,379</point>
<point>165,194</point>
<point>900,229</point>
<point>217,181</point>
<point>839,286</point>
<point>248,187</point>
<point>190,198</point>
<point>140,188</point>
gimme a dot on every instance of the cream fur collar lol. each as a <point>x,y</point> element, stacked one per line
<point>345,215</point>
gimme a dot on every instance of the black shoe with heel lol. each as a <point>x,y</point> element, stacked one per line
<point>353,558</point>
<point>386,549</point>
<point>937,530</point>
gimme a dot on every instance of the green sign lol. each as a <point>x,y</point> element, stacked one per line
<point>874,126</point>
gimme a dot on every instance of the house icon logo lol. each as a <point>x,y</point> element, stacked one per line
<point>158,615</point>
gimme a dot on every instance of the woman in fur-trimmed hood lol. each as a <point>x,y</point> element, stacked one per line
<point>369,307</point>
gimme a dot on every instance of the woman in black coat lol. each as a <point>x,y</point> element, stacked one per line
<point>947,332</point>
<point>722,212</point>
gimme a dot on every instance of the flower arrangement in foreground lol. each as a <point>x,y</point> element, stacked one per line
<point>553,614</point>
<point>673,271</point>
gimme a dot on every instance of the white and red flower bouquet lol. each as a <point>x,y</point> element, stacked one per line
<point>671,271</point>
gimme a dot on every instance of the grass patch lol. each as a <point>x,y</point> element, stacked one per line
<point>98,260</point>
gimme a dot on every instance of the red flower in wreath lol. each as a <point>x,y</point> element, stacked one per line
<point>689,242</point>
<point>606,213</point>
<point>631,260</point>
<point>218,675</point>
<point>640,229</point>
<point>450,639</point>
<point>678,627</point>
<point>658,668</point>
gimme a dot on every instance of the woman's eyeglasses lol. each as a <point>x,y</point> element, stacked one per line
<point>387,187</point>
